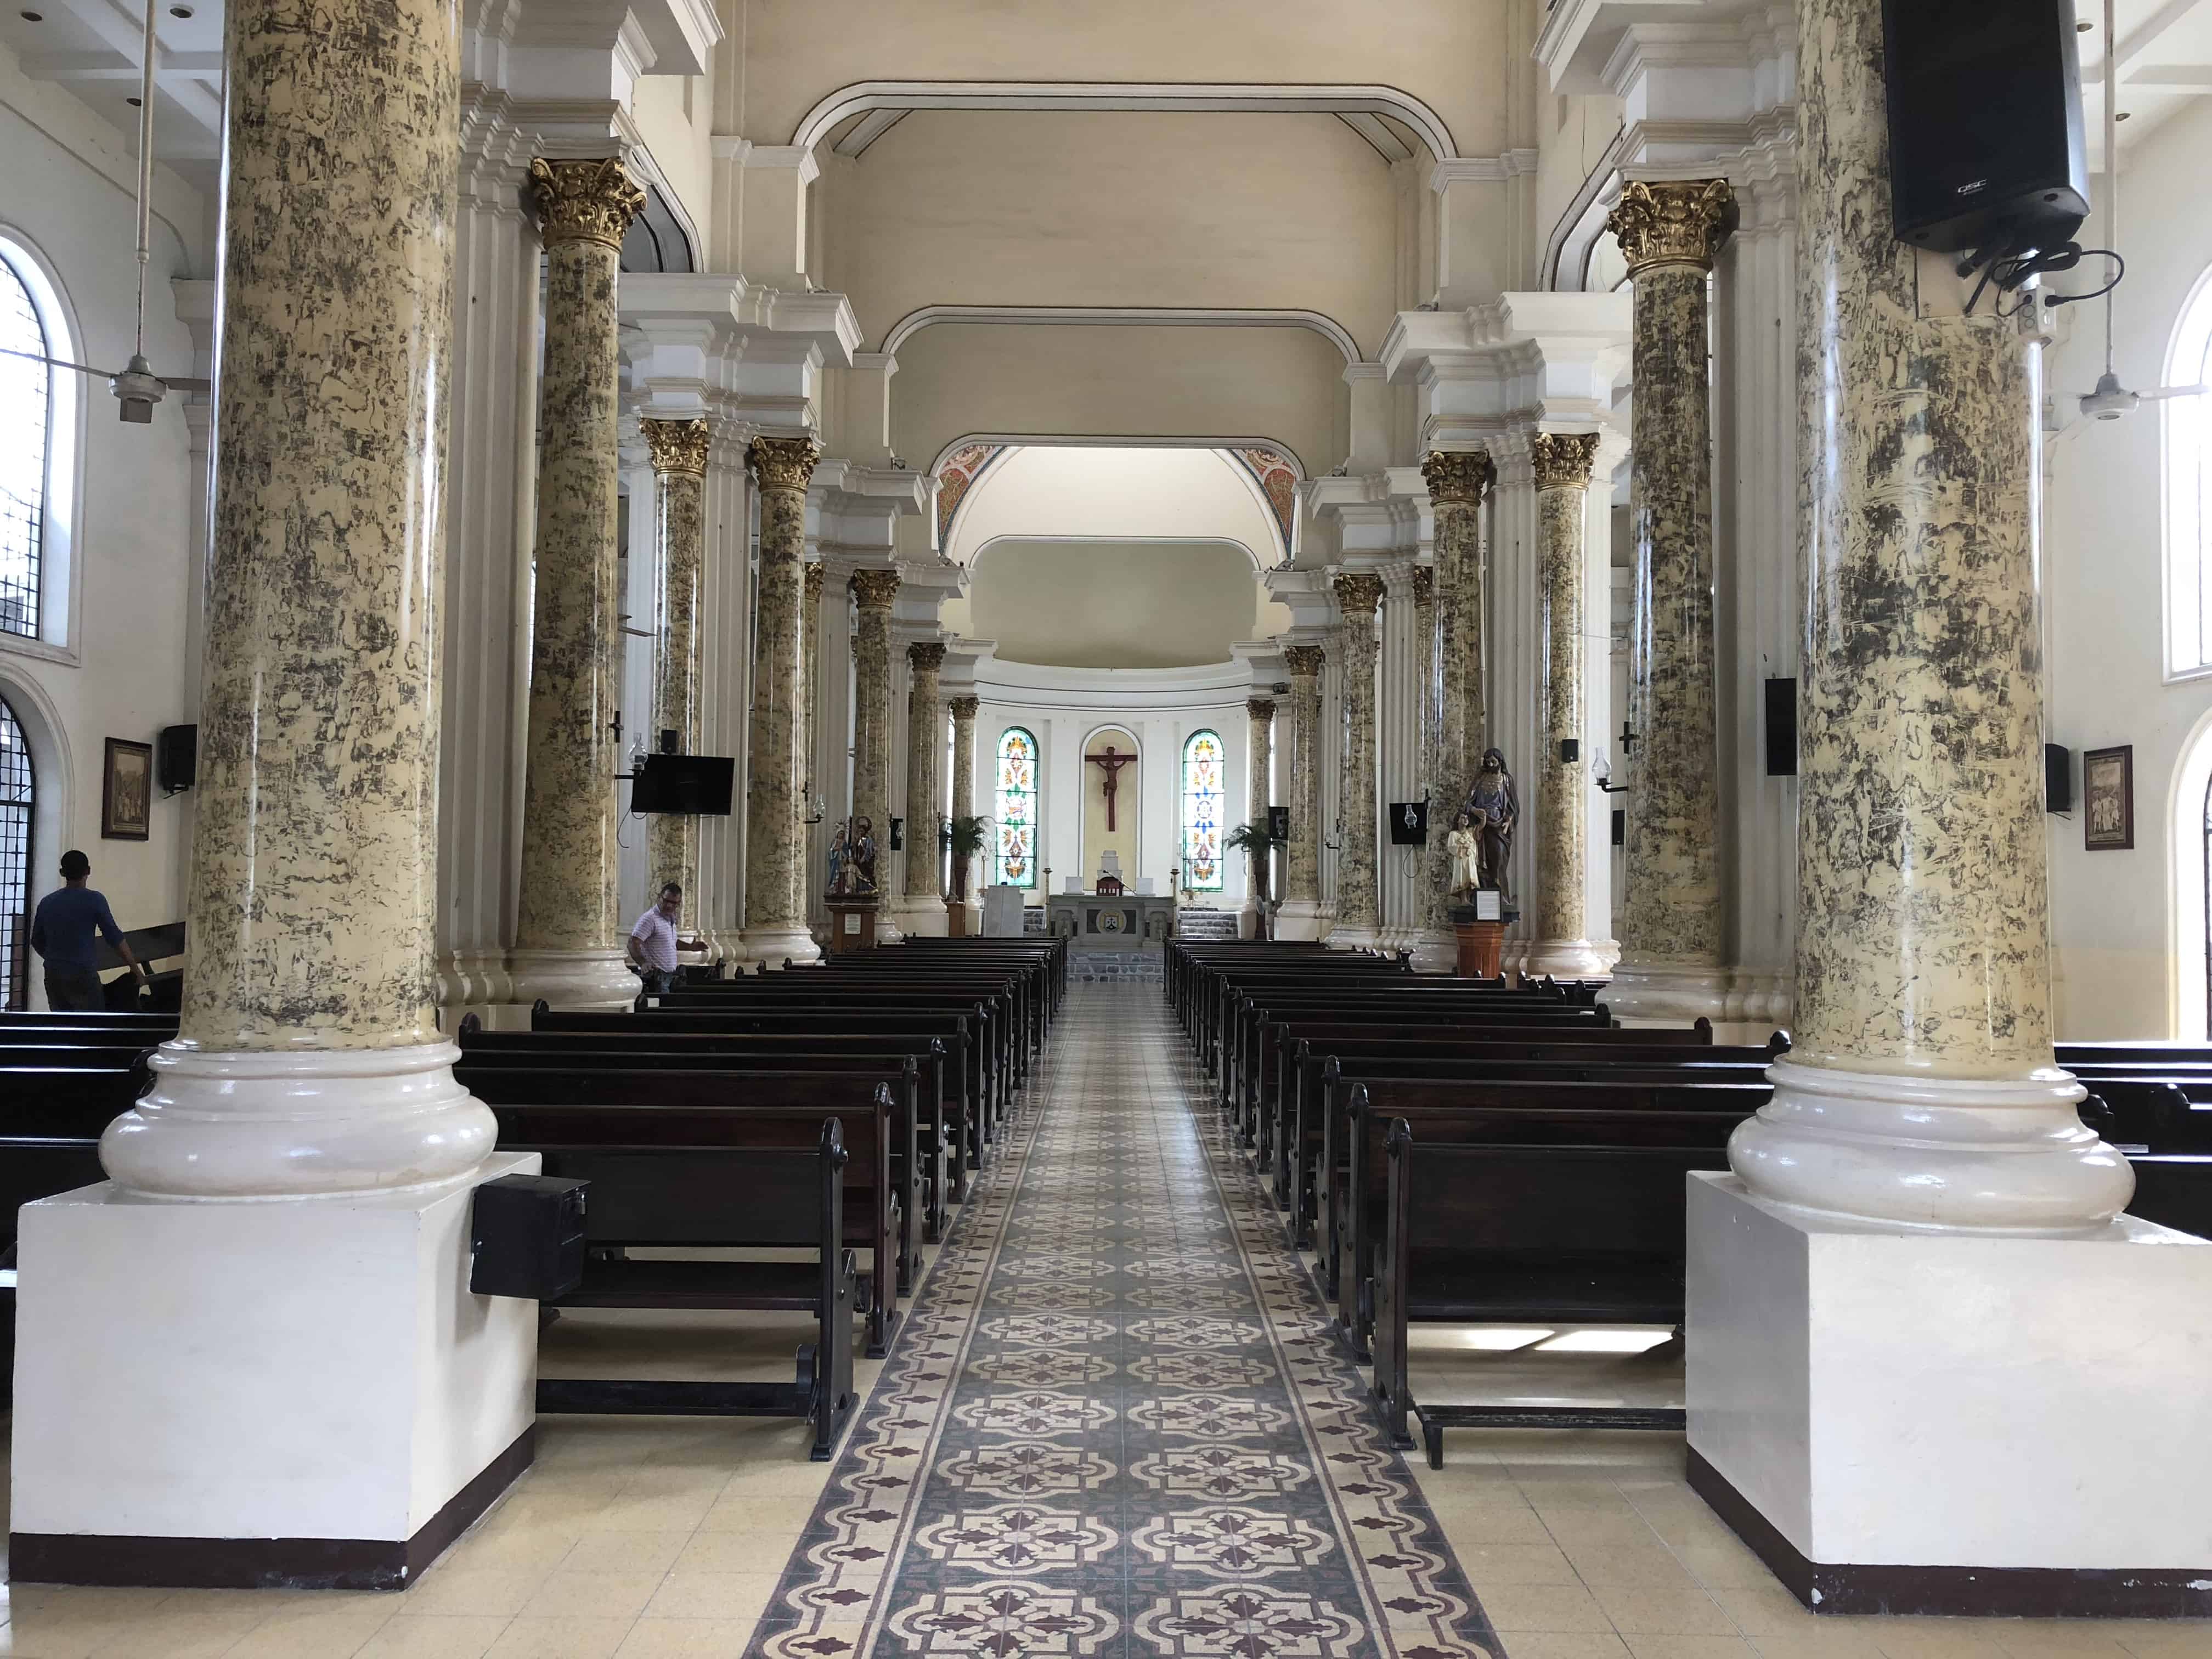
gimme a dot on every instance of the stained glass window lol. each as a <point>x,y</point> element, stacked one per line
<point>1016,814</point>
<point>14,862</point>
<point>25,393</point>
<point>1201,812</point>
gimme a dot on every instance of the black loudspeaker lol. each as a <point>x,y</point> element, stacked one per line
<point>898,835</point>
<point>527,1234</point>
<point>177,758</point>
<point>1619,828</point>
<point>1279,822</point>
<point>2058,778</point>
<point>1782,728</point>
<point>1409,823</point>
<point>1985,147</point>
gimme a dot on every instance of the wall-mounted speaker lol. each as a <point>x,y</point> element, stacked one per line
<point>177,758</point>
<point>1279,822</point>
<point>1986,145</point>
<point>1620,827</point>
<point>1782,728</point>
<point>898,835</point>
<point>1409,823</point>
<point>2058,778</point>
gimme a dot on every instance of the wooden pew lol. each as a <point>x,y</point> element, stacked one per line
<point>741,1109</point>
<point>1520,1232</point>
<point>658,1192</point>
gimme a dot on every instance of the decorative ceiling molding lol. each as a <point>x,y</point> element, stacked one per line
<point>1377,131</point>
<point>1166,97</point>
<point>1124,317</point>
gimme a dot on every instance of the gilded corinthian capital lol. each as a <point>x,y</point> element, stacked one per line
<point>876,587</point>
<point>783,463</point>
<point>1358,596</point>
<point>1260,711</point>
<point>676,445</point>
<point>926,656</point>
<point>814,579</point>
<point>1305,662</point>
<point>1459,475</point>
<point>1562,460</point>
<point>1672,224</point>
<point>963,709</point>
<point>584,201</point>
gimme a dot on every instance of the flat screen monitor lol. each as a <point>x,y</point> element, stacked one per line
<point>696,785</point>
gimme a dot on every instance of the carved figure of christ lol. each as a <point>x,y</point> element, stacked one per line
<point>1111,763</point>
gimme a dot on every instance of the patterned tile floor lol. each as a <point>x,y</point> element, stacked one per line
<point>1117,1423</point>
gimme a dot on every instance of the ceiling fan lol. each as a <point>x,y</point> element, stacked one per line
<point>2111,399</point>
<point>135,385</point>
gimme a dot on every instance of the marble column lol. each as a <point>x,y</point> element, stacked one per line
<point>964,797</point>
<point>1670,921</point>
<point>873,591</point>
<point>678,449</point>
<point>776,894</point>
<point>1458,480</point>
<point>309,1058</point>
<point>1259,748</point>
<point>1560,945</point>
<point>1299,918</point>
<point>567,937</point>
<point>1359,909</point>
<point>1921,1088</point>
<point>924,912</point>
<point>813,842</point>
<point>1436,948</point>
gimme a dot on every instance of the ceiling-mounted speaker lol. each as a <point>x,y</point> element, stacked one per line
<point>1985,144</point>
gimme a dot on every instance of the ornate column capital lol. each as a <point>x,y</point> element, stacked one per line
<point>1562,460</point>
<point>815,574</point>
<point>875,588</point>
<point>926,656</point>
<point>1459,475</point>
<point>963,709</point>
<point>1679,223</point>
<point>782,462</point>
<point>676,446</point>
<point>1425,585</point>
<point>1305,662</point>
<point>1358,595</point>
<point>584,201</point>
<point>1261,711</point>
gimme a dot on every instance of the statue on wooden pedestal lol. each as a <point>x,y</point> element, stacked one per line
<point>1494,809</point>
<point>852,859</point>
<point>1464,845</point>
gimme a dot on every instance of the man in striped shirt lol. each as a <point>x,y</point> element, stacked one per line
<point>652,948</point>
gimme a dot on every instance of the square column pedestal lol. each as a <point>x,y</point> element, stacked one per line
<point>1954,1424</point>
<point>283,1393</point>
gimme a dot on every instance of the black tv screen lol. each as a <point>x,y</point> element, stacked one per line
<point>697,784</point>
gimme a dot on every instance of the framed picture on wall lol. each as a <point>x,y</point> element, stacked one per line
<point>126,791</point>
<point>2108,799</point>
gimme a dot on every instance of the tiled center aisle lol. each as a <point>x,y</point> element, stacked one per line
<point>1116,1423</point>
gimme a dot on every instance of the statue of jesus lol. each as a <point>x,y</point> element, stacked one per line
<point>1111,763</point>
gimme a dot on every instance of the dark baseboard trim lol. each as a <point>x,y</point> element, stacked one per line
<point>1955,1592</point>
<point>36,1557</point>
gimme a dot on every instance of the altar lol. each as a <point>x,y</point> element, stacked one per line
<point>1111,922</point>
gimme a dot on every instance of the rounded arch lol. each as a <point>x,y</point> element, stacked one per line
<point>984,482</point>
<point>1124,317</point>
<point>46,741</point>
<point>1128,836</point>
<point>2186,478</point>
<point>864,97</point>
<point>60,486</point>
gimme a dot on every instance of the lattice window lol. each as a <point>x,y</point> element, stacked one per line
<point>26,412</point>
<point>1202,800</point>
<point>1017,809</point>
<point>15,863</point>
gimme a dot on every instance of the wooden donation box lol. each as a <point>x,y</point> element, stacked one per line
<point>1481,930</point>
<point>852,922</point>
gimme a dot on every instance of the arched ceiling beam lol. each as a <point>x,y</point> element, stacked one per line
<point>1124,317</point>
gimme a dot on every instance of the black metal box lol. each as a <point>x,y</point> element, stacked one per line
<point>528,1234</point>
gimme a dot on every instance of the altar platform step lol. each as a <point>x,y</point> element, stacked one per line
<point>1207,924</point>
<point>1145,965</point>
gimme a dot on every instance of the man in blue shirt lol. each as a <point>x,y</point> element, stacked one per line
<point>61,931</point>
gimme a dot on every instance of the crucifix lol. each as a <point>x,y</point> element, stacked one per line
<point>1111,763</point>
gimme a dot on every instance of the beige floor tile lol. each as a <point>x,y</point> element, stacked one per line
<point>1633,1561</point>
<point>1763,1610</point>
<point>625,1552</point>
<point>479,1592</point>
<point>1725,1563</point>
<point>1562,1644</point>
<point>593,1596</point>
<point>561,1638</point>
<point>736,1552</point>
<point>1567,1608</point>
<point>743,1595</point>
<point>2061,1638</point>
<point>1689,1647</point>
<point>335,1636</point>
<point>1675,1609</point>
<point>1936,1639</point>
<point>2181,1639</point>
<point>735,1511</point>
<point>1492,1523</point>
<point>434,1636</point>
<point>687,1638</point>
<point>1515,1564</point>
<point>523,1547</point>
<point>1830,1638</point>
<point>651,1511</point>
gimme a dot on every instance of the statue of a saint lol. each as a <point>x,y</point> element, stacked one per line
<point>840,854</point>
<point>1494,805</point>
<point>1464,844</point>
<point>863,854</point>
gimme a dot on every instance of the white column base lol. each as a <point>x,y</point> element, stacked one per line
<point>572,979</point>
<point>298,1393</point>
<point>1298,920</point>
<point>1436,951</point>
<point>1954,1424</point>
<point>1937,1153</point>
<point>472,979</point>
<point>1650,993</point>
<point>777,946</point>
<point>1344,938</point>
<point>284,1125</point>
<point>921,916</point>
<point>1563,958</point>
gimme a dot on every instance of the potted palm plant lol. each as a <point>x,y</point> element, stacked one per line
<point>1253,839</point>
<point>964,837</point>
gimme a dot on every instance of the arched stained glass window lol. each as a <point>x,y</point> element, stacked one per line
<point>15,803</point>
<point>1202,798</point>
<point>26,397</point>
<point>1016,815</point>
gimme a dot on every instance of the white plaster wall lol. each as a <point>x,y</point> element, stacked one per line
<point>122,667</point>
<point>2121,921</point>
<point>673,116</point>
